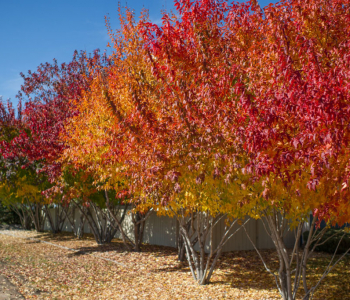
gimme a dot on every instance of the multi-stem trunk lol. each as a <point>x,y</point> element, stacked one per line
<point>77,225</point>
<point>139,222</point>
<point>56,216</point>
<point>22,211</point>
<point>100,223</point>
<point>114,213</point>
<point>292,262</point>
<point>37,216</point>
<point>200,232</point>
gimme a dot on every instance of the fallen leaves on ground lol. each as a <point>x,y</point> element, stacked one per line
<point>43,271</point>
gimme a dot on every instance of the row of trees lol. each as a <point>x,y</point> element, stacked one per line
<point>223,111</point>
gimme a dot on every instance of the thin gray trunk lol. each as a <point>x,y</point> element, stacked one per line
<point>100,222</point>
<point>21,210</point>
<point>56,217</point>
<point>50,219</point>
<point>275,226</point>
<point>139,221</point>
<point>201,264</point>
<point>35,212</point>
<point>113,213</point>
<point>81,226</point>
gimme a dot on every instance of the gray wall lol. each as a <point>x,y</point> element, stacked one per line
<point>163,230</point>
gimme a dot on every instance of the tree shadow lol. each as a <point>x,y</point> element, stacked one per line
<point>33,242</point>
<point>52,237</point>
<point>244,270</point>
<point>117,247</point>
<point>180,267</point>
<point>239,269</point>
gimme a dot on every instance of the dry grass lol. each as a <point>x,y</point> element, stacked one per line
<point>43,271</point>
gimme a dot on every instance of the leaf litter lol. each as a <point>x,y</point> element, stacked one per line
<point>91,271</point>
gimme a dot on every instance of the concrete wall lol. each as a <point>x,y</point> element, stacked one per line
<point>258,235</point>
<point>159,230</point>
<point>239,241</point>
<point>163,230</point>
<point>66,226</point>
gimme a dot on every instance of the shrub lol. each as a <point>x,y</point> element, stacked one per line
<point>8,216</point>
<point>330,241</point>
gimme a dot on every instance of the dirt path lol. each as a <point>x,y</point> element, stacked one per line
<point>7,290</point>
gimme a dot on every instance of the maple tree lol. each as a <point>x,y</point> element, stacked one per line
<point>274,55</point>
<point>20,184</point>
<point>138,143</point>
<point>51,91</point>
<point>103,143</point>
<point>47,94</point>
<point>295,90</point>
<point>188,58</point>
<point>9,124</point>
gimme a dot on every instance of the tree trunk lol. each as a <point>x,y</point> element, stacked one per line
<point>196,229</point>
<point>276,226</point>
<point>181,249</point>
<point>139,223</point>
<point>56,218</point>
<point>23,214</point>
<point>50,219</point>
<point>113,212</point>
<point>35,212</point>
<point>80,229</point>
<point>76,225</point>
<point>102,226</point>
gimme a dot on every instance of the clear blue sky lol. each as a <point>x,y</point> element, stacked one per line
<point>37,31</point>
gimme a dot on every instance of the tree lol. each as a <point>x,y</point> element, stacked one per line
<point>295,94</point>
<point>195,173</point>
<point>102,143</point>
<point>49,94</point>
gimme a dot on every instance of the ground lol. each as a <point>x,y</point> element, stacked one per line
<point>8,291</point>
<point>80,269</point>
